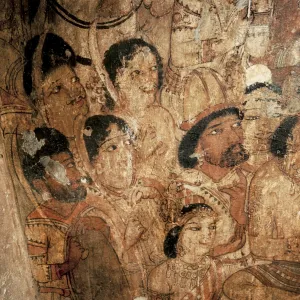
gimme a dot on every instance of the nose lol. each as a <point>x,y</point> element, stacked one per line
<point>235,137</point>
<point>207,235</point>
<point>77,91</point>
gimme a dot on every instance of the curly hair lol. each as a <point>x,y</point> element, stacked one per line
<point>121,52</point>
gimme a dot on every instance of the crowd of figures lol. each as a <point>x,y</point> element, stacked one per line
<point>154,151</point>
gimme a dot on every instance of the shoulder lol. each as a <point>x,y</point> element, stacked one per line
<point>158,279</point>
<point>268,171</point>
<point>161,112</point>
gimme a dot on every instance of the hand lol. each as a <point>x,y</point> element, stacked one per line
<point>144,192</point>
<point>134,232</point>
<point>91,223</point>
<point>237,193</point>
<point>74,256</point>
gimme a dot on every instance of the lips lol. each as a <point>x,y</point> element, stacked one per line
<point>149,88</point>
<point>80,101</point>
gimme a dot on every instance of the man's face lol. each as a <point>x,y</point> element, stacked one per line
<point>138,78</point>
<point>64,98</point>
<point>114,163</point>
<point>222,142</point>
<point>62,178</point>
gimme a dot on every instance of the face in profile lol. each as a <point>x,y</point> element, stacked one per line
<point>261,117</point>
<point>114,163</point>
<point>222,142</point>
<point>63,100</point>
<point>139,77</point>
<point>292,159</point>
<point>62,178</point>
<point>197,236</point>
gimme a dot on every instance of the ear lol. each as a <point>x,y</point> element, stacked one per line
<point>40,186</point>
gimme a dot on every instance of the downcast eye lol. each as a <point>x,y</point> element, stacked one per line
<point>111,148</point>
<point>56,89</point>
<point>75,79</point>
<point>216,132</point>
<point>195,228</point>
<point>236,125</point>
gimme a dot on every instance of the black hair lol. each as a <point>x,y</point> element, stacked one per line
<point>257,85</point>
<point>55,53</point>
<point>279,139</point>
<point>51,142</point>
<point>124,51</point>
<point>96,128</point>
<point>189,142</point>
<point>171,240</point>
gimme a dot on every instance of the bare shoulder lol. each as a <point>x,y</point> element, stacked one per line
<point>158,280</point>
<point>267,172</point>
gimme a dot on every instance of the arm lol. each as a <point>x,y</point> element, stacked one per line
<point>158,287</point>
<point>236,242</point>
<point>265,237</point>
<point>37,245</point>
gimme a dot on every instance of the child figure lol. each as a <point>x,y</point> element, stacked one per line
<point>190,272</point>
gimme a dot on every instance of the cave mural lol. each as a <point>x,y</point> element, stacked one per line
<point>150,149</point>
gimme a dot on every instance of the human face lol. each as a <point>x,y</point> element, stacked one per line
<point>261,117</point>
<point>292,159</point>
<point>138,78</point>
<point>63,179</point>
<point>197,236</point>
<point>222,142</point>
<point>258,40</point>
<point>114,163</point>
<point>63,100</point>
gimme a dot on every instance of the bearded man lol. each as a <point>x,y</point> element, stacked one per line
<point>211,153</point>
<point>65,231</point>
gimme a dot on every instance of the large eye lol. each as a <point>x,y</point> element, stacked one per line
<point>216,132</point>
<point>154,68</point>
<point>212,227</point>
<point>111,148</point>
<point>195,228</point>
<point>128,142</point>
<point>237,125</point>
<point>252,118</point>
<point>135,73</point>
<point>70,165</point>
<point>56,89</point>
<point>75,79</point>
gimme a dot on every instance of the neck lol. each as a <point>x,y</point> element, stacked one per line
<point>194,259</point>
<point>216,173</point>
<point>63,208</point>
<point>137,111</point>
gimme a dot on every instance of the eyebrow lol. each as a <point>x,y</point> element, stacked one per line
<point>193,223</point>
<point>112,139</point>
<point>214,126</point>
<point>67,159</point>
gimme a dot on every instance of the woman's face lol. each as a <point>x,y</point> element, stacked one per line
<point>114,163</point>
<point>197,236</point>
<point>261,118</point>
<point>138,78</point>
<point>292,159</point>
<point>64,99</point>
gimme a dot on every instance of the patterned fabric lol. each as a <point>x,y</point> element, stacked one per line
<point>280,274</point>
